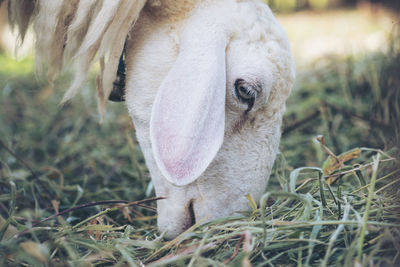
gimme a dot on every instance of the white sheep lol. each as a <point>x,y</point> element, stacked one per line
<point>206,87</point>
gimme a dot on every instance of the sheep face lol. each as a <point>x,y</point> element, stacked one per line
<point>206,93</point>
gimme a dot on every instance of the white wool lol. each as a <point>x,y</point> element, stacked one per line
<point>19,15</point>
<point>82,31</point>
<point>65,15</point>
<point>106,34</point>
<point>118,30</point>
<point>79,26</point>
<point>44,26</point>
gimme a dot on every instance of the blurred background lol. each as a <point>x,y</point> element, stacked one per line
<point>320,28</point>
<point>323,5</point>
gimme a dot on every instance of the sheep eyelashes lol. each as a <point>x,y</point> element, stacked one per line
<point>205,83</point>
<point>246,93</point>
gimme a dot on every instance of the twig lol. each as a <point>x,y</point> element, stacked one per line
<point>321,139</point>
<point>147,207</point>
<point>23,162</point>
<point>91,204</point>
<point>236,250</point>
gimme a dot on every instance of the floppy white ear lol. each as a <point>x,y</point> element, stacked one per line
<point>188,116</point>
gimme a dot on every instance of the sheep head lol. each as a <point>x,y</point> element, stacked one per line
<point>206,91</point>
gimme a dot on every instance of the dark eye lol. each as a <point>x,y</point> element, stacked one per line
<point>245,92</point>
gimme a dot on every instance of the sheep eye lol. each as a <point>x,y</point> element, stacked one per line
<point>245,92</point>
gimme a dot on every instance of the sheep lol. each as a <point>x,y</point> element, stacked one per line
<point>206,86</point>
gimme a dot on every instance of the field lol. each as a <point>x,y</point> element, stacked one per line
<point>333,198</point>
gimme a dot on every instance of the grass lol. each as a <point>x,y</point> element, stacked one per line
<point>332,200</point>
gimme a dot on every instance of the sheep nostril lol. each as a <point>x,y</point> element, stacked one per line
<point>191,219</point>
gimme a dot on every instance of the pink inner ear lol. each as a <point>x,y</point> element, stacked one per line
<point>188,117</point>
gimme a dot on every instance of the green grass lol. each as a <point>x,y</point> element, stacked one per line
<point>57,158</point>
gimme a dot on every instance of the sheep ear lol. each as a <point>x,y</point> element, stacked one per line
<point>188,116</point>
